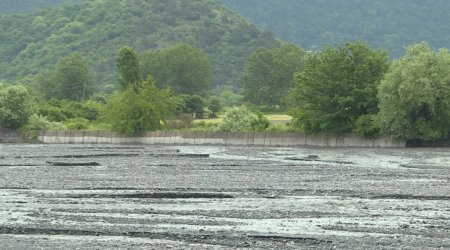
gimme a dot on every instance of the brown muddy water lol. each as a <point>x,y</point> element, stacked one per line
<point>185,197</point>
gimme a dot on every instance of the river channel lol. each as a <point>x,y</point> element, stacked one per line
<point>194,197</point>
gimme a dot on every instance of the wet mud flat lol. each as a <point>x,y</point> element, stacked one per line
<point>185,197</point>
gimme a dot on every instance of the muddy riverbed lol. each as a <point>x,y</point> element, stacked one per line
<point>185,197</point>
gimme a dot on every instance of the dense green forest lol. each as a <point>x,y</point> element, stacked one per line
<point>31,43</point>
<point>391,25</point>
<point>387,24</point>
<point>22,6</point>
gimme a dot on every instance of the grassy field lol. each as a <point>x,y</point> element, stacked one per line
<point>273,118</point>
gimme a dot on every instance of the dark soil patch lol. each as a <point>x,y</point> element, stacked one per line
<point>95,156</point>
<point>181,155</point>
<point>46,231</point>
<point>19,165</point>
<point>289,238</point>
<point>411,197</point>
<point>423,166</point>
<point>156,195</point>
<point>310,158</point>
<point>74,164</point>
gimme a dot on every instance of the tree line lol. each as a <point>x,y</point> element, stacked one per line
<point>151,87</point>
<point>353,88</point>
<point>341,89</point>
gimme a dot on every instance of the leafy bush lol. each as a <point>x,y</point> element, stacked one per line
<point>63,110</point>
<point>16,106</point>
<point>39,122</point>
<point>77,123</point>
<point>139,108</point>
<point>367,126</point>
<point>52,112</point>
<point>205,126</point>
<point>91,110</point>
<point>243,119</point>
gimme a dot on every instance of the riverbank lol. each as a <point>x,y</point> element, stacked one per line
<point>272,139</point>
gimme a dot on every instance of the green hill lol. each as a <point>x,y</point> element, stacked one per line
<point>387,24</point>
<point>31,43</point>
<point>23,6</point>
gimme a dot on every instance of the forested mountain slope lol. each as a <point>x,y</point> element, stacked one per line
<point>30,43</point>
<point>387,24</point>
<point>21,6</point>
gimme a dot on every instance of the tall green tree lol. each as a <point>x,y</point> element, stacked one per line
<point>127,63</point>
<point>73,78</point>
<point>142,107</point>
<point>16,106</point>
<point>337,87</point>
<point>415,95</point>
<point>194,104</point>
<point>214,105</point>
<point>45,85</point>
<point>269,74</point>
<point>181,67</point>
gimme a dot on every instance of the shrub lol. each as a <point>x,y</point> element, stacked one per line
<point>367,126</point>
<point>205,126</point>
<point>243,119</point>
<point>16,106</point>
<point>139,108</point>
<point>91,110</point>
<point>77,123</point>
<point>38,122</point>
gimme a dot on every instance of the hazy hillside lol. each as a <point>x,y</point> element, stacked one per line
<point>22,6</point>
<point>382,23</point>
<point>30,43</point>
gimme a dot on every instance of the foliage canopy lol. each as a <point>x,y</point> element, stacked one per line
<point>415,95</point>
<point>269,74</point>
<point>338,86</point>
<point>127,63</point>
<point>16,106</point>
<point>139,108</point>
<point>181,67</point>
<point>71,79</point>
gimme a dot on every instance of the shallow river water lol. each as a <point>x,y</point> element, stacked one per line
<point>186,197</point>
